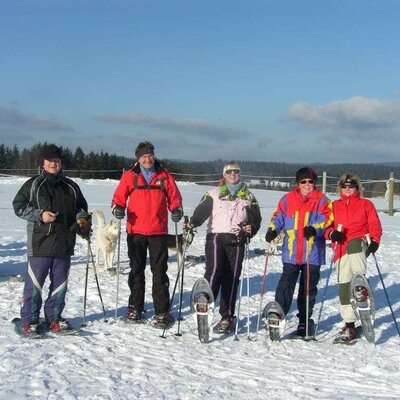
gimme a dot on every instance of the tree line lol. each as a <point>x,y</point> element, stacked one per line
<point>103,165</point>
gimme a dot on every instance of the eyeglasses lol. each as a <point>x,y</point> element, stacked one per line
<point>232,171</point>
<point>349,185</point>
<point>304,181</point>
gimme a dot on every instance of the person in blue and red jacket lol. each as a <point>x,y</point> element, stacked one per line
<point>355,219</point>
<point>147,192</point>
<point>303,215</point>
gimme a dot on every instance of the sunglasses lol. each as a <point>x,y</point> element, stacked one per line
<point>232,171</point>
<point>349,185</point>
<point>304,181</point>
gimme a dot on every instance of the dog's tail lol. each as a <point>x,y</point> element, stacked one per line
<point>100,216</point>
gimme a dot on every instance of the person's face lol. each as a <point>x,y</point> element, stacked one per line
<point>348,189</point>
<point>232,176</point>
<point>146,161</point>
<point>306,186</point>
<point>52,166</point>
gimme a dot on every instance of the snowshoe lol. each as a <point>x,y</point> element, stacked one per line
<point>274,320</point>
<point>348,335</point>
<point>362,301</point>
<point>162,321</point>
<point>301,331</point>
<point>224,326</point>
<point>30,330</point>
<point>133,316</point>
<point>202,308</point>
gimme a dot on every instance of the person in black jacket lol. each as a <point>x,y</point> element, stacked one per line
<point>56,211</point>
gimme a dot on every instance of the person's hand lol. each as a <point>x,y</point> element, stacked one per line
<point>176,214</point>
<point>118,211</point>
<point>309,231</point>
<point>247,229</point>
<point>336,236</point>
<point>372,248</point>
<point>84,227</point>
<point>188,226</point>
<point>49,216</point>
<point>270,235</point>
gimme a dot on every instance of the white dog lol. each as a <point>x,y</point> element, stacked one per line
<point>106,239</point>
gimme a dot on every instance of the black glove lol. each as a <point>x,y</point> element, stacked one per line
<point>309,231</point>
<point>84,227</point>
<point>372,248</point>
<point>118,211</point>
<point>336,236</point>
<point>176,214</point>
<point>270,235</point>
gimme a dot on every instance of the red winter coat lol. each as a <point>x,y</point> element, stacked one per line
<point>358,217</point>
<point>148,204</point>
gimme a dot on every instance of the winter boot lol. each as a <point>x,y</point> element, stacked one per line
<point>31,328</point>
<point>60,326</point>
<point>133,315</point>
<point>224,326</point>
<point>162,321</point>
<point>301,328</point>
<point>347,333</point>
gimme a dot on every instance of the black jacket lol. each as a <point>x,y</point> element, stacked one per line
<point>56,193</point>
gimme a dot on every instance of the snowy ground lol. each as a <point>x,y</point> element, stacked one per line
<point>116,361</point>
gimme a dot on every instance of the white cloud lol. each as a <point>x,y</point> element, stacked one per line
<point>14,119</point>
<point>201,127</point>
<point>355,113</point>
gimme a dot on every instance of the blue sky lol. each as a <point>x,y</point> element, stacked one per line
<point>293,81</point>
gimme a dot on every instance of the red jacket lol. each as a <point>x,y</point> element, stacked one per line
<point>148,204</point>
<point>358,217</point>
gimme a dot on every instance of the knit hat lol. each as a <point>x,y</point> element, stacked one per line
<point>306,173</point>
<point>50,152</point>
<point>144,148</point>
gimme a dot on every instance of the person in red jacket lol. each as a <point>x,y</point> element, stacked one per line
<point>150,192</point>
<point>355,218</point>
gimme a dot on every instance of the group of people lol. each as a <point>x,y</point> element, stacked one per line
<point>56,211</point>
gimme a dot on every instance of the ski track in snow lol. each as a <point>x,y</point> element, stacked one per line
<point>114,360</point>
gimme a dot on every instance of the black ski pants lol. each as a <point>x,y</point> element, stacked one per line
<point>158,253</point>
<point>224,259</point>
<point>286,286</point>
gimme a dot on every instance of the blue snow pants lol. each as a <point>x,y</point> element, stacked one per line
<point>286,286</point>
<point>38,269</point>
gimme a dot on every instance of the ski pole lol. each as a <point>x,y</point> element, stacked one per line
<point>248,286</point>
<point>326,285</point>
<point>307,288</point>
<point>186,220</point>
<point>118,263</point>
<point>97,281</point>
<point>238,307</point>
<point>262,291</point>
<point>83,323</point>
<point>180,267</point>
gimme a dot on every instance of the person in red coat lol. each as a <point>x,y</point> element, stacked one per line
<point>147,192</point>
<point>355,218</point>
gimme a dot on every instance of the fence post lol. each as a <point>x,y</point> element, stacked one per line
<point>324,182</point>
<point>391,194</point>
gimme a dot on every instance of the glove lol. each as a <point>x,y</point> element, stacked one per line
<point>118,211</point>
<point>176,214</point>
<point>270,235</point>
<point>372,248</point>
<point>336,236</point>
<point>84,227</point>
<point>309,231</point>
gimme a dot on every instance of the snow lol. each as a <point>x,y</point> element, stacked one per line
<point>113,360</point>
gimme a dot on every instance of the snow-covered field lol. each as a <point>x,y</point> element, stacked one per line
<point>118,361</point>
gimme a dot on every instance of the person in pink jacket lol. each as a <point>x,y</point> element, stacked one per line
<point>233,217</point>
<point>355,218</point>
